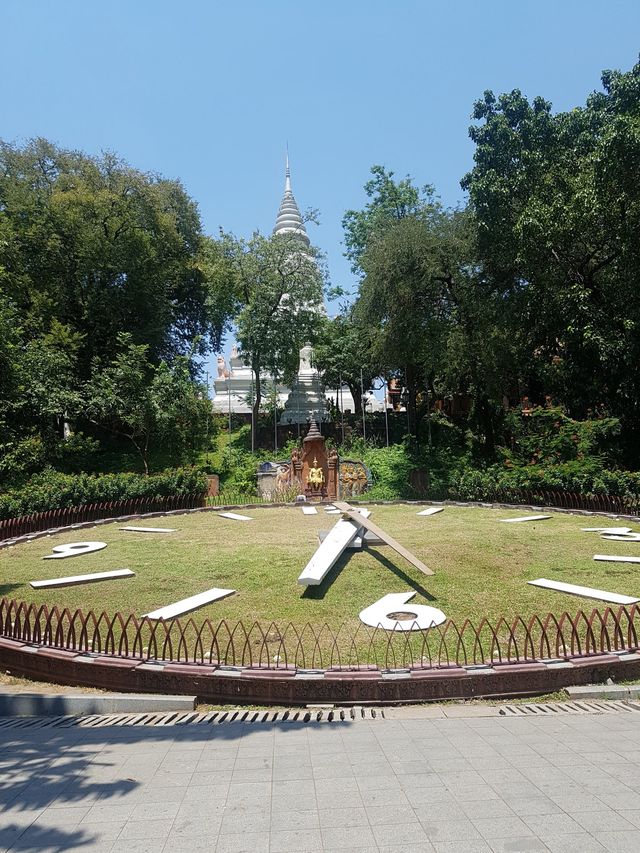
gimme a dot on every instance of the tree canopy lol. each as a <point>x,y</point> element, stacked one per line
<point>277,289</point>
<point>100,247</point>
<point>557,203</point>
<point>111,294</point>
<point>91,249</point>
<point>531,290</point>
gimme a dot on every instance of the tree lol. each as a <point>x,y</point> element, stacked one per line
<point>390,201</point>
<point>478,358</point>
<point>402,300</point>
<point>385,243</point>
<point>343,352</point>
<point>89,249</point>
<point>558,207</point>
<point>277,289</point>
<point>37,388</point>
<point>155,407</point>
<point>100,248</point>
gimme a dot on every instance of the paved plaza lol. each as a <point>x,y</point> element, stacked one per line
<point>469,785</point>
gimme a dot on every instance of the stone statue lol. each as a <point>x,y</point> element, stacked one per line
<point>282,478</point>
<point>223,373</point>
<point>306,354</point>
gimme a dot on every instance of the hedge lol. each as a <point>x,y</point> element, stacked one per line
<point>586,477</point>
<point>55,490</point>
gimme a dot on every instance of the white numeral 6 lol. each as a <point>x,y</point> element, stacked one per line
<point>390,613</point>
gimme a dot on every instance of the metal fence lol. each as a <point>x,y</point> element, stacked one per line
<point>618,504</point>
<point>12,527</point>
<point>236,499</point>
<point>350,646</point>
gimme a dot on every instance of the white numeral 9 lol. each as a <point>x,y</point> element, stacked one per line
<point>74,549</point>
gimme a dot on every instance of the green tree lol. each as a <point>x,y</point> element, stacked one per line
<point>390,201</point>
<point>101,247</point>
<point>155,407</point>
<point>38,391</point>
<point>343,352</point>
<point>393,243</point>
<point>91,248</point>
<point>558,206</point>
<point>277,287</point>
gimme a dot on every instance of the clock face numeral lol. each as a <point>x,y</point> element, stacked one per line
<point>392,613</point>
<point>74,549</point>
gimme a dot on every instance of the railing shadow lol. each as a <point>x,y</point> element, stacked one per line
<point>45,771</point>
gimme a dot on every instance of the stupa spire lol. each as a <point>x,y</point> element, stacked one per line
<point>287,174</point>
<point>289,220</point>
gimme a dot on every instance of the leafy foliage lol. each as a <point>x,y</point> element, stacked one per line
<point>277,287</point>
<point>586,477</point>
<point>543,435</point>
<point>148,404</point>
<point>558,212</point>
<point>54,490</point>
<point>100,247</point>
<point>343,352</point>
<point>109,293</point>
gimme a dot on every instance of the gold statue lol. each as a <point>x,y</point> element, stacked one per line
<point>315,477</point>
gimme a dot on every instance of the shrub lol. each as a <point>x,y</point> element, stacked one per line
<point>587,477</point>
<point>54,490</point>
<point>238,470</point>
<point>390,469</point>
<point>547,435</point>
<point>454,475</point>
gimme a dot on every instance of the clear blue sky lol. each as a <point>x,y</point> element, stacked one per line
<point>210,92</point>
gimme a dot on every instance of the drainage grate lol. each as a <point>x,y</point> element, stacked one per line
<point>550,709</point>
<point>289,715</point>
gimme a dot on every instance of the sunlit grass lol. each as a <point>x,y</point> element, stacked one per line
<point>481,566</point>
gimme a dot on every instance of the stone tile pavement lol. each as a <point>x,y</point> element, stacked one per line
<point>567,784</point>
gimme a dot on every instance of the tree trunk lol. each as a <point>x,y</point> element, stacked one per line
<point>143,452</point>
<point>485,420</point>
<point>257,399</point>
<point>357,397</point>
<point>410,382</point>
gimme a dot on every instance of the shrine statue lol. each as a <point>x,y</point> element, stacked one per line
<point>223,373</point>
<point>315,477</point>
<point>282,478</point>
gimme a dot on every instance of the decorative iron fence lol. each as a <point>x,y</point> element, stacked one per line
<point>236,499</point>
<point>618,504</point>
<point>12,527</point>
<point>349,646</point>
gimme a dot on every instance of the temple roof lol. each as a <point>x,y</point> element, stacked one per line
<point>289,220</point>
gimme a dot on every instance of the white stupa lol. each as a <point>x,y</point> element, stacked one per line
<point>308,399</point>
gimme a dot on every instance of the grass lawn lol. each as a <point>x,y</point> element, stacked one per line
<point>481,566</point>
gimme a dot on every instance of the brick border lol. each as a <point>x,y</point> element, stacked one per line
<point>298,687</point>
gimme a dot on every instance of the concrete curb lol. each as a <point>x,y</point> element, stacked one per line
<point>22,704</point>
<point>604,691</point>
